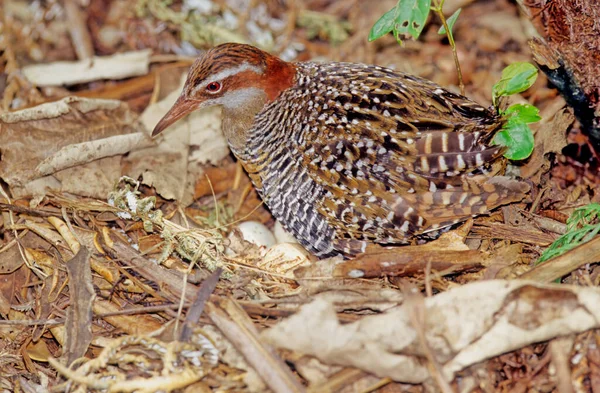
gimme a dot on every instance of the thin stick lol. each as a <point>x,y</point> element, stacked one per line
<point>438,9</point>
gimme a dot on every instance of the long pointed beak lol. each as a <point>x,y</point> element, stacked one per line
<point>180,108</point>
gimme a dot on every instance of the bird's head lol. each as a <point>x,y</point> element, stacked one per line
<point>236,76</point>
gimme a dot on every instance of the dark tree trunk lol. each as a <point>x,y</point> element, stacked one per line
<point>569,54</point>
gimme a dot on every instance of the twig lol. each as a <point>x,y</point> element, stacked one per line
<point>438,10</point>
<point>416,309</point>
<point>80,35</point>
<point>237,327</point>
<point>560,348</point>
<point>195,311</point>
<point>32,322</point>
<point>564,264</point>
<point>378,385</point>
<point>29,211</point>
<point>338,381</point>
<point>428,289</point>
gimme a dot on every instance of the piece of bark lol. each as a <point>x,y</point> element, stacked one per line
<point>564,264</point>
<point>409,261</point>
<point>570,54</point>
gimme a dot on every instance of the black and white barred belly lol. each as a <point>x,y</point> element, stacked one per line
<point>292,197</point>
<point>290,193</point>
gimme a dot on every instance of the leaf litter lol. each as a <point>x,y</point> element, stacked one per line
<point>109,237</point>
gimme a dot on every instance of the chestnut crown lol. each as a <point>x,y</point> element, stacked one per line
<point>232,75</point>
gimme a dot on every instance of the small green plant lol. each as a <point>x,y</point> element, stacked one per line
<point>582,226</point>
<point>516,134</point>
<point>409,17</point>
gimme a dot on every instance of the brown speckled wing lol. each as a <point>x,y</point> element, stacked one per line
<point>385,146</point>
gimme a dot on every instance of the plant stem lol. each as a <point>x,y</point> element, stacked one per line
<point>438,9</point>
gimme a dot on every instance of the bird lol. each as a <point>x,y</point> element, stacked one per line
<point>347,155</point>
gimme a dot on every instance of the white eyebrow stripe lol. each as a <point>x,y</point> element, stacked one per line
<point>219,76</point>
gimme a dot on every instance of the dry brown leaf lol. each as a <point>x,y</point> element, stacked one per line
<point>505,263</point>
<point>37,188</point>
<point>135,325</point>
<point>550,137</point>
<point>10,260</point>
<point>464,326</point>
<point>38,351</point>
<point>94,179</point>
<point>42,140</point>
<point>79,314</point>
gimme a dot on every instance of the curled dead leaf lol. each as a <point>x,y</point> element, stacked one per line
<point>42,140</point>
<point>118,66</point>
<point>463,326</point>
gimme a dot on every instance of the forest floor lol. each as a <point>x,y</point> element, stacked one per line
<point>121,256</point>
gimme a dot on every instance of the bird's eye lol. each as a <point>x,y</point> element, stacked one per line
<point>213,87</point>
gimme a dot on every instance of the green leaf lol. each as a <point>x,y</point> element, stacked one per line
<point>384,25</point>
<point>407,17</point>
<point>524,113</point>
<point>450,22</point>
<point>516,78</point>
<point>411,17</point>
<point>517,137</point>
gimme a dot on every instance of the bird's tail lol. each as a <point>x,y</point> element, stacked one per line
<point>432,210</point>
